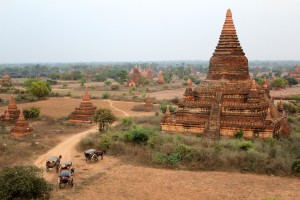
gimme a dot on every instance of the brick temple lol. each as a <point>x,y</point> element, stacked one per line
<point>85,111</point>
<point>228,100</point>
<point>295,73</point>
<point>21,127</point>
<point>5,81</point>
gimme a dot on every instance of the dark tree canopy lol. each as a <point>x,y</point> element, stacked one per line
<point>104,117</point>
<point>23,182</point>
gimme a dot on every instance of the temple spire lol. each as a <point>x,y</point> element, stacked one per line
<point>168,113</point>
<point>189,83</point>
<point>228,61</point>
<point>86,96</point>
<point>229,43</point>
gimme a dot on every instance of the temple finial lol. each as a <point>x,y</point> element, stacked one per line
<point>189,83</point>
<point>228,14</point>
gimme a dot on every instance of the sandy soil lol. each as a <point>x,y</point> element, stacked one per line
<point>112,179</point>
<point>60,107</point>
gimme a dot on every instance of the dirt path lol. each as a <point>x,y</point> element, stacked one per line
<point>117,109</point>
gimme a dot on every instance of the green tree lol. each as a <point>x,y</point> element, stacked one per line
<point>39,89</point>
<point>23,182</point>
<point>291,81</point>
<point>278,83</point>
<point>168,75</point>
<point>104,117</point>
<point>29,81</point>
<point>82,81</point>
<point>122,76</point>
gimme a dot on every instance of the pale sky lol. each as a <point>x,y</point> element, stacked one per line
<point>144,30</point>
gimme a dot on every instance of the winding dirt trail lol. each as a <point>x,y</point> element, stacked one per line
<point>117,109</point>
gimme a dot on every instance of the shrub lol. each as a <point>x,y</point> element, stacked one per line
<point>239,134</point>
<point>127,121</point>
<point>107,82</point>
<point>159,158</point>
<point>245,145</point>
<point>23,182</point>
<point>139,135</point>
<point>163,107</point>
<point>115,87</point>
<point>105,95</point>
<point>31,113</point>
<point>87,143</point>
<point>69,94</point>
<point>25,98</point>
<point>290,120</point>
<point>296,166</point>
<point>104,142</point>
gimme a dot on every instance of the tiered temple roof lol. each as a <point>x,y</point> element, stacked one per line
<point>85,111</point>
<point>21,127</point>
<point>227,100</point>
<point>13,109</point>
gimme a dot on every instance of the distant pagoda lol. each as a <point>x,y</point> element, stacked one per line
<point>13,109</point>
<point>6,81</point>
<point>227,100</point>
<point>136,75</point>
<point>161,79</point>
<point>21,127</point>
<point>148,103</point>
<point>85,111</point>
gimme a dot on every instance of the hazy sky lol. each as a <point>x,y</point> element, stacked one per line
<point>143,30</point>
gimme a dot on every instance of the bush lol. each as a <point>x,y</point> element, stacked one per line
<point>139,135</point>
<point>87,143</point>
<point>245,145</point>
<point>20,98</point>
<point>115,87</point>
<point>296,166</point>
<point>104,142</point>
<point>163,107</point>
<point>126,121</point>
<point>31,113</point>
<point>105,95</point>
<point>239,134</point>
<point>23,182</point>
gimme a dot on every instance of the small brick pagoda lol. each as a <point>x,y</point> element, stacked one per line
<point>21,127</point>
<point>85,111</point>
<point>13,110</point>
<point>148,103</point>
<point>161,79</point>
<point>5,79</point>
<point>296,73</point>
<point>227,100</point>
<point>133,81</point>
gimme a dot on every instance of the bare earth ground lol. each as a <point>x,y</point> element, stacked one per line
<point>111,178</point>
<point>61,107</point>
